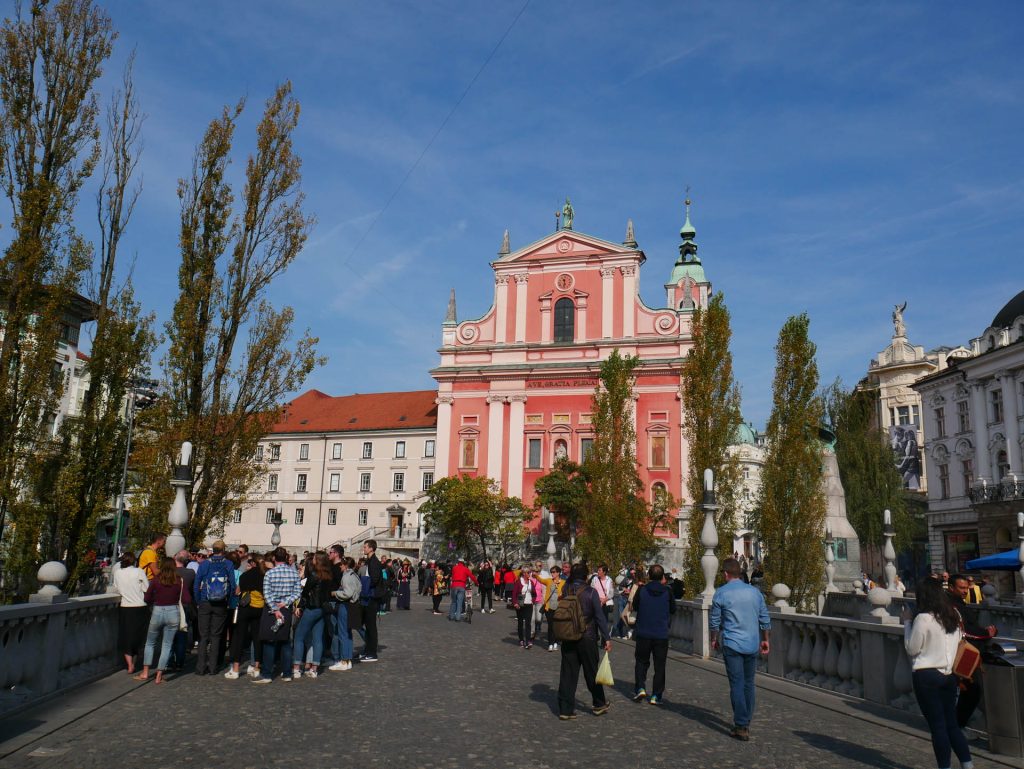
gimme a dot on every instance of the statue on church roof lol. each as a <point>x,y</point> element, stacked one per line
<point>630,236</point>
<point>450,318</point>
<point>567,214</point>
<point>505,244</point>
<point>899,327</point>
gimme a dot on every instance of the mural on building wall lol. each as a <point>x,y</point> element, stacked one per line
<point>903,439</point>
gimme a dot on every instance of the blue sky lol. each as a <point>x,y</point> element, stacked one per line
<point>843,157</point>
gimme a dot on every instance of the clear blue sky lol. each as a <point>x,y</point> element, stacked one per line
<point>843,157</point>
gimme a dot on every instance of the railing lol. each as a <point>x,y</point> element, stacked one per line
<point>1009,489</point>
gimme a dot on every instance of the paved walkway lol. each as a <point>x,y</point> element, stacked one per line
<point>455,695</point>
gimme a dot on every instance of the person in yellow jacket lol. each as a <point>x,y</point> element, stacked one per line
<point>552,589</point>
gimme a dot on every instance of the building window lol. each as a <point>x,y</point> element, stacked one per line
<point>533,458</point>
<point>586,446</point>
<point>367,450</point>
<point>428,481</point>
<point>270,514</point>
<point>364,482</point>
<point>944,481</point>
<point>332,516</point>
<point>275,452</point>
<point>997,405</point>
<point>746,473</point>
<point>364,516</point>
<point>336,451</point>
<point>272,482</point>
<point>398,484</point>
<point>428,449</point>
<point>259,453</point>
<point>967,469</point>
<point>905,415</point>
<point>659,446</point>
<point>940,422</point>
<point>399,449</point>
<point>335,481</point>
<point>300,516</point>
<point>238,515</point>
<point>960,547</point>
<point>300,482</point>
<point>468,453</point>
<point>1002,465</point>
<point>565,320</point>
<point>963,416</point>
<point>303,452</point>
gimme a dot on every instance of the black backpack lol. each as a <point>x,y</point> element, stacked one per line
<point>567,621</point>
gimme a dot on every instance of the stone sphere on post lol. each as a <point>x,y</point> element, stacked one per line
<point>51,576</point>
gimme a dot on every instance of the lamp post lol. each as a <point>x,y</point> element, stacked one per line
<point>889,553</point>
<point>709,535</point>
<point>551,540</point>
<point>277,520</point>
<point>178,516</point>
<point>142,394</point>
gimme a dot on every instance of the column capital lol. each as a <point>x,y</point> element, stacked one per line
<point>517,398</point>
<point>501,279</point>
<point>607,273</point>
<point>496,399</point>
<point>444,400</point>
<point>628,270</point>
<point>1004,374</point>
<point>521,278</point>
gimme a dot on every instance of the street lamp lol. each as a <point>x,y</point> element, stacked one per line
<point>142,395</point>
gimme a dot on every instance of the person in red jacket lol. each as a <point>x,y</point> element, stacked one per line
<point>461,575</point>
<point>510,579</point>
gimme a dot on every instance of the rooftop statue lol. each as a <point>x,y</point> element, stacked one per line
<point>567,215</point>
<point>900,329</point>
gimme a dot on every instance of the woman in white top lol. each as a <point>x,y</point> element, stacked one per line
<point>931,642</point>
<point>130,583</point>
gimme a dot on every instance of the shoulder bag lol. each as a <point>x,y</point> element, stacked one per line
<point>182,619</point>
<point>967,658</point>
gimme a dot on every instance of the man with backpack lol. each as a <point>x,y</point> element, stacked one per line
<point>377,589</point>
<point>213,587</point>
<point>579,626</point>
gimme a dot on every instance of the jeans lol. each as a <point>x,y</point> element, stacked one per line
<point>620,625</point>
<point>658,647</point>
<point>576,655</point>
<point>936,696</point>
<point>486,598</point>
<point>740,669</point>
<point>341,636</point>
<point>458,604</point>
<point>280,651</point>
<point>163,620</point>
<point>212,620</point>
<point>311,621</point>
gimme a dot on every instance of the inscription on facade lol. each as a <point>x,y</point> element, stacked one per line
<point>549,383</point>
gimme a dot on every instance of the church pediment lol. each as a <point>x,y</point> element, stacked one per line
<point>567,244</point>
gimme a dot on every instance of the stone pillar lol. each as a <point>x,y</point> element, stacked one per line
<point>628,301</point>
<point>607,303</point>
<point>500,308</point>
<point>516,423</point>
<point>521,280</point>
<point>495,429</point>
<point>442,447</point>
<point>581,319</point>
<point>979,421</point>
<point>1011,427</point>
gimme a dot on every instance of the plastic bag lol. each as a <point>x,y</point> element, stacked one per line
<point>604,672</point>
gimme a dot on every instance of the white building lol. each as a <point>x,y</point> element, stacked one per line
<point>344,469</point>
<point>749,448</point>
<point>973,409</point>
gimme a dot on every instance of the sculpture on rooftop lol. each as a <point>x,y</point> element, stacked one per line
<point>900,328</point>
<point>567,214</point>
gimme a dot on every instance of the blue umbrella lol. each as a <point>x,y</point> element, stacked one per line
<point>1007,561</point>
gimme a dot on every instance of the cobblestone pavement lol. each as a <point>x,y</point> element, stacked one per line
<point>461,695</point>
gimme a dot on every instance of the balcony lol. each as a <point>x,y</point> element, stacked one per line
<point>988,493</point>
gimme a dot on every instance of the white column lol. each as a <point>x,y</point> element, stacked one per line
<point>628,300</point>
<point>521,279</point>
<point>607,307</point>
<point>1011,427</point>
<point>495,428</point>
<point>500,308</point>
<point>442,444</point>
<point>581,319</point>
<point>516,423</point>
<point>979,420</point>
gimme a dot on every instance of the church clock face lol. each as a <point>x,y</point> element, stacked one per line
<point>564,282</point>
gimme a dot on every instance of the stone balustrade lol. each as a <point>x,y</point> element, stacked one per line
<point>54,643</point>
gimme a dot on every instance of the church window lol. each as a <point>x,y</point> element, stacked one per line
<point>533,460</point>
<point>469,453</point>
<point>565,320</point>
<point>586,446</point>
<point>659,445</point>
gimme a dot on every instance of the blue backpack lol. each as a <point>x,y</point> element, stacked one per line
<point>366,589</point>
<point>218,581</point>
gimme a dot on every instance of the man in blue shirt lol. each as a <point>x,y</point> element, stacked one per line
<point>738,616</point>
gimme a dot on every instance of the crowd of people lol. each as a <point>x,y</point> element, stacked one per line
<point>277,615</point>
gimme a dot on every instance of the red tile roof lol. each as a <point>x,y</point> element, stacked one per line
<point>314,411</point>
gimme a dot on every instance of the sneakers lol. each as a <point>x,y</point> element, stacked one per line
<point>340,665</point>
<point>253,672</point>
<point>231,675</point>
<point>655,699</point>
<point>600,710</point>
<point>741,733</point>
<point>641,694</point>
<point>564,717</point>
<point>296,675</point>
<point>529,646</point>
<point>367,657</point>
<point>285,678</point>
<point>312,673</point>
<point>263,680</point>
<point>551,647</point>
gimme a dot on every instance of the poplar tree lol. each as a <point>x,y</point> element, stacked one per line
<point>616,526</point>
<point>790,521</point>
<point>231,359</point>
<point>711,416</point>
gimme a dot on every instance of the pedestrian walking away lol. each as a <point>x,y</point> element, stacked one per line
<point>213,589</point>
<point>738,616</point>
<point>583,652</point>
<point>654,605</point>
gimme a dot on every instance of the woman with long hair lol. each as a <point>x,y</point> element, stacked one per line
<point>245,630</point>
<point>164,593</point>
<point>931,641</point>
<point>130,583</point>
<point>526,594</point>
<point>405,585</point>
<point>316,594</point>
<point>485,577</point>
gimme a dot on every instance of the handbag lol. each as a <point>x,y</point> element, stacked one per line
<point>182,618</point>
<point>604,672</point>
<point>967,659</point>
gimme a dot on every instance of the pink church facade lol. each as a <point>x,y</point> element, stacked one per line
<point>515,385</point>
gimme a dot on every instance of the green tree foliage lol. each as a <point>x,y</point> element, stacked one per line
<point>792,505</point>
<point>51,59</point>
<point>711,415</point>
<point>616,527</point>
<point>471,511</point>
<point>231,359</point>
<point>866,467</point>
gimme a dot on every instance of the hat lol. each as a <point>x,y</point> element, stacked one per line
<point>462,560</point>
<point>218,544</point>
